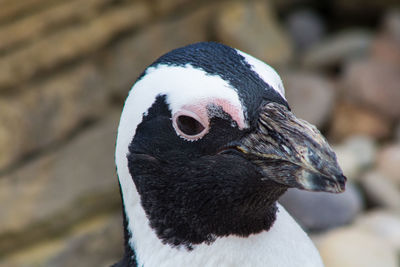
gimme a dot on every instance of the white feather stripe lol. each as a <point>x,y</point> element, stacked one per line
<point>266,72</point>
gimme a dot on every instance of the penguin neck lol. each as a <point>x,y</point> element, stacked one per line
<point>179,221</point>
<point>141,240</point>
<point>284,241</point>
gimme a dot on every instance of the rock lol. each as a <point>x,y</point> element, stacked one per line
<point>305,27</point>
<point>47,90</point>
<point>251,27</point>
<point>57,105</point>
<point>350,119</point>
<point>94,242</point>
<point>355,155</point>
<point>382,223</point>
<point>336,50</point>
<point>397,132</point>
<point>389,162</point>
<point>72,44</point>
<point>126,60</point>
<point>363,10</point>
<point>386,47</point>
<point>378,90</point>
<point>168,7</point>
<point>51,193</point>
<point>380,190</point>
<point>353,247</point>
<point>43,21</point>
<point>310,96</point>
<point>101,245</point>
<point>10,9</point>
<point>284,6</point>
<point>391,24</point>
<point>318,211</point>
<point>12,131</point>
<point>49,111</point>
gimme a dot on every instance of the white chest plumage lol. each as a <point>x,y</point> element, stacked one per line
<point>284,245</point>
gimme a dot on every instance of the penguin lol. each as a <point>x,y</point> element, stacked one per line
<point>206,145</point>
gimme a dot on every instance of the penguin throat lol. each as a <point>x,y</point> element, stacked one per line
<point>183,214</point>
<point>186,233</point>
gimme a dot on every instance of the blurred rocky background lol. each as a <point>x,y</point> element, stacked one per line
<point>66,67</point>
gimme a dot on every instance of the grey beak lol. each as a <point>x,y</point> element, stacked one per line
<point>292,152</point>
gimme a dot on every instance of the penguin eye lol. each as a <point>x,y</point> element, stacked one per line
<point>189,125</point>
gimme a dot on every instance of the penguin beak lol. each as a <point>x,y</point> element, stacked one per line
<point>292,152</point>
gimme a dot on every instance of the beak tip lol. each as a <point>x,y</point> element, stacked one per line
<point>342,183</point>
<point>316,182</point>
<point>338,185</point>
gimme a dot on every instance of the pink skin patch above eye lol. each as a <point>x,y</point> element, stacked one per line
<point>235,112</point>
<point>199,112</point>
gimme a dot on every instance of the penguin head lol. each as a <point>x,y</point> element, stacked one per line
<point>207,143</point>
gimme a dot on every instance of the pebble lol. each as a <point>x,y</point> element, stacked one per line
<point>389,162</point>
<point>355,154</point>
<point>58,189</point>
<point>98,243</point>
<point>349,119</point>
<point>318,211</point>
<point>355,247</point>
<point>335,50</point>
<point>240,23</point>
<point>380,190</point>
<point>386,46</point>
<point>306,28</point>
<point>397,132</point>
<point>311,96</point>
<point>379,88</point>
<point>383,223</point>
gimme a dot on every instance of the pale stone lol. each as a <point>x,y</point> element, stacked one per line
<point>383,223</point>
<point>355,154</point>
<point>337,49</point>
<point>389,162</point>
<point>386,46</point>
<point>310,96</point>
<point>379,88</point>
<point>353,247</point>
<point>380,190</point>
<point>350,119</point>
